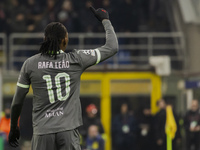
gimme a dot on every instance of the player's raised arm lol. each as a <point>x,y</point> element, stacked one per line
<point>111,46</point>
<point>94,56</point>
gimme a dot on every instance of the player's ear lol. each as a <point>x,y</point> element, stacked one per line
<point>65,42</point>
<point>67,38</point>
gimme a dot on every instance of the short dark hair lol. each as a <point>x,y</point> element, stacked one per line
<point>55,32</point>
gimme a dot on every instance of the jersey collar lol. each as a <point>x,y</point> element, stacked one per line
<point>60,51</point>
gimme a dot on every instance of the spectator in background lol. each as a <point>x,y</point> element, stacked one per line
<point>18,24</point>
<point>146,135</point>
<point>124,130</point>
<point>88,25</point>
<point>16,16</point>
<point>90,119</point>
<point>106,4</point>
<point>5,127</point>
<point>94,140</point>
<point>34,10</point>
<point>68,16</point>
<point>5,121</point>
<point>144,15</point>
<point>159,124</point>
<point>192,126</point>
<point>51,10</point>
<point>149,14</point>
<point>34,15</point>
<point>159,21</point>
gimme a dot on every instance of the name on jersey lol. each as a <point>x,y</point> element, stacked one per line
<point>54,113</point>
<point>56,65</point>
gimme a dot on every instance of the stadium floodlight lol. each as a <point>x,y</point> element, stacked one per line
<point>162,65</point>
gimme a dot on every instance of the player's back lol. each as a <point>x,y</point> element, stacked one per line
<point>56,86</point>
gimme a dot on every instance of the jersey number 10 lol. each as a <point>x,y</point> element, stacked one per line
<point>58,86</point>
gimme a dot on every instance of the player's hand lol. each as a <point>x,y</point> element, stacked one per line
<point>14,137</point>
<point>100,13</point>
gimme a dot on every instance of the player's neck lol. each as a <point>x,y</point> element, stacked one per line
<point>62,48</point>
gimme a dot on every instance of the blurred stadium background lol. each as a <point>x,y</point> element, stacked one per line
<point>158,54</point>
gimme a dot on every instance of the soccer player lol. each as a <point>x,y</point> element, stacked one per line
<point>55,79</point>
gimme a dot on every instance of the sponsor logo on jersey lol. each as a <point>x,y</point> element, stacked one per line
<point>54,113</point>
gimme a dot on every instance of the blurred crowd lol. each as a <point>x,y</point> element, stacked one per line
<point>126,15</point>
<point>130,130</point>
<point>142,130</point>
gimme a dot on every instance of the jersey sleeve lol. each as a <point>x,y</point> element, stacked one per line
<point>89,57</point>
<point>94,56</point>
<point>24,80</point>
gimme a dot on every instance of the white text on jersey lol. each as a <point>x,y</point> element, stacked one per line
<point>56,65</point>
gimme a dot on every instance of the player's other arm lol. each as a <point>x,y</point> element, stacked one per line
<point>17,103</point>
<point>111,46</point>
<point>16,108</point>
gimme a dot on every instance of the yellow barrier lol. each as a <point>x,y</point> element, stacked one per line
<point>105,93</point>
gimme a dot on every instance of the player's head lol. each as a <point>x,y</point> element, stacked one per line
<point>56,38</point>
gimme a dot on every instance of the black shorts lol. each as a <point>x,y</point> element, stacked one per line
<point>67,140</point>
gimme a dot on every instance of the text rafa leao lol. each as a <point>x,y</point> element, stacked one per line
<point>56,65</point>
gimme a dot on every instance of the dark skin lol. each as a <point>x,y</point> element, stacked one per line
<point>64,43</point>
